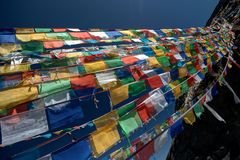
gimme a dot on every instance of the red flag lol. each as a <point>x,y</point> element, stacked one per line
<point>154,82</point>
<point>87,81</point>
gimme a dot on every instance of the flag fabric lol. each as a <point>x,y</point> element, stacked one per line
<point>65,94</point>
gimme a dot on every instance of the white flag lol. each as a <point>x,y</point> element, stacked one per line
<point>22,126</point>
<point>215,114</point>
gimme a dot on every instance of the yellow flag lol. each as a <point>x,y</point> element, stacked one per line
<point>190,118</point>
<point>24,30</point>
<point>128,33</point>
<point>74,54</point>
<point>119,155</point>
<point>95,66</point>
<point>103,139</point>
<point>209,48</point>
<point>175,88</point>
<point>24,37</point>
<point>109,118</point>
<point>32,37</point>
<point>187,50</point>
<point>223,51</point>
<point>166,31</point>
<point>14,68</point>
<point>31,80</point>
<point>8,48</point>
<point>158,52</point>
<point>152,39</point>
<point>119,94</point>
<point>153,62</point>
<point>209,60</point>
<point>60,75</point>
<point>182,72</point>
<point>109,85</point>
<point>13,97</point>
<point>38,37</point>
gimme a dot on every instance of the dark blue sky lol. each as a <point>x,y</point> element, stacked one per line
<point>105,13</point>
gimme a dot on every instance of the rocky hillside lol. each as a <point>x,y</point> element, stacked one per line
<point>208,138</point>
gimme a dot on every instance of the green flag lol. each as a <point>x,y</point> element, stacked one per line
<point>126,80</point>
<point>164,61</point>
<point>137,88</point>
<point>191,69</point>
<point>81,69</point>
<point>43,30</point>
<point>192,49</point>
<point>32,46</point>
<point>198,109</point>
<point>59,36</point>
<point>125,109</point>
<point>53,87</point>
<point>116,62</point>
<point>184,87</point>
<point>54,63</point>
<point>130,122</point>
